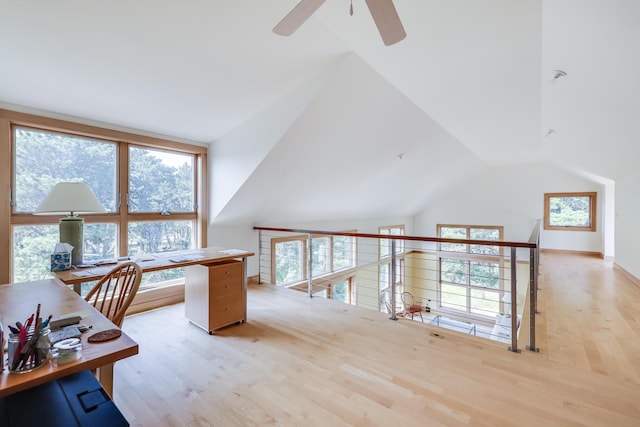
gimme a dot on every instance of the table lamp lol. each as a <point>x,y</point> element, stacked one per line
<point>71,199</point>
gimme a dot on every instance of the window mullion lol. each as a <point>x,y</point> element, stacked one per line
<point>123,191</point>
<point>468,265</point>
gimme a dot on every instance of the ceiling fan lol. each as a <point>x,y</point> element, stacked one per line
<point>383,11</point>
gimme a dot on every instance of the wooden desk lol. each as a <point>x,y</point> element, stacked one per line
<point>18,301</point>
<point>161,261</point>
<point>204,305</point>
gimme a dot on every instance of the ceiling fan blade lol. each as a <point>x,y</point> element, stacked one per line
<point>387,20</point>
<point>297,17</point>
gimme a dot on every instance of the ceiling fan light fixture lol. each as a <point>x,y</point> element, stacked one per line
<point>383,12</point>
<point>386,17</point>
<point>298,16</point>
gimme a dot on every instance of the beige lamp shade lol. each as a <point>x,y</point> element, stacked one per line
<point>70,198</point>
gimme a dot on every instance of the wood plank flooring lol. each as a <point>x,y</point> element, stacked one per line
<point>314,362</point>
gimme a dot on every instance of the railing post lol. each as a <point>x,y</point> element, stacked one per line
<point>392,280</point>
<point>259,257</point>
<point>537,249</point>
<point>514,299</point>
<point>310,265</point>
<point>533,300</point>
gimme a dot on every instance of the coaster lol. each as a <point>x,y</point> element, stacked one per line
<point>107,335</point>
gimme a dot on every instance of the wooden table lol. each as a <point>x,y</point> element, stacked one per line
<point>160,261</point>
<point>205,307</point>
<point>19,301</point>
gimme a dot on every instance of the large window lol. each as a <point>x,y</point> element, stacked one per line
<point>331,256</point>
<point>343,291</point>
<point>161,181</point>
<point>288,260</point>
<point>570,211</point>
<point>149,186</point>
<point>470,276</point>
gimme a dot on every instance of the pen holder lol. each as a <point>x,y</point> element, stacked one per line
<point>28,354</point>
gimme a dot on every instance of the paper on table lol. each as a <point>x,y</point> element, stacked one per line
<point>92,272</point>
<point>185,258</point>
<point>143,258</point>
<point>233,251</point>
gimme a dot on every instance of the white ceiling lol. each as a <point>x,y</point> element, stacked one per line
<point>470,85</point>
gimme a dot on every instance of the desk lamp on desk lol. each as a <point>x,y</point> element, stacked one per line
<point>71,199</point>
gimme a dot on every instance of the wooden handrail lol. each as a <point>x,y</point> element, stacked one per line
<point>528,245</point>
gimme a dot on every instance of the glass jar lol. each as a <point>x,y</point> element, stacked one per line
<point>1,346</point>
<point>31,353</point>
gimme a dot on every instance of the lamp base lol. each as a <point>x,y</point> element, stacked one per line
<point>71,233</point>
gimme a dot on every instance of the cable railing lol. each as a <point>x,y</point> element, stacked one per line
<point>485,288</point>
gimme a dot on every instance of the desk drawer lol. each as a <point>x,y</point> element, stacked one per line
<point>225,310</point>
<point>221,288</point>
<point>232,270</point>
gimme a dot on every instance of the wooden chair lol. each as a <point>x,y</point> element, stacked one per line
<point>410,308</point>
<point>113,294</point>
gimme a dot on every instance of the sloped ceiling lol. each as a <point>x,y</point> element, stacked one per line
<point>471,81</point>
<point>375,154</point>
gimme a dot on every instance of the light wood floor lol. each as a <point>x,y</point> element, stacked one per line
<point>313,362</point>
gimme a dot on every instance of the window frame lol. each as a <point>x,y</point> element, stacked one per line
<point>469,257</point>
<point>349,291</point>
<point>593,207</point>
<point>330,275</point>
<point>121,217</point>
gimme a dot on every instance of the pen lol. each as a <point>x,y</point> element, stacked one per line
<point>28,322</point>
<point>46,322</point>
<point>23,336</point>
<point>38,312</point>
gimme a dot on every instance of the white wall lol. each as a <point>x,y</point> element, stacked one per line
<point>513,196</point>
<point>235,156</point>
<point>609,219</point>
<point>627,230</point>
<point>236,237</point>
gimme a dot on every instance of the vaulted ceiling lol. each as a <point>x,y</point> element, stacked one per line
<point>342,115</point>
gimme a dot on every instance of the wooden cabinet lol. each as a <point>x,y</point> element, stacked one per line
<point>215,295</point>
